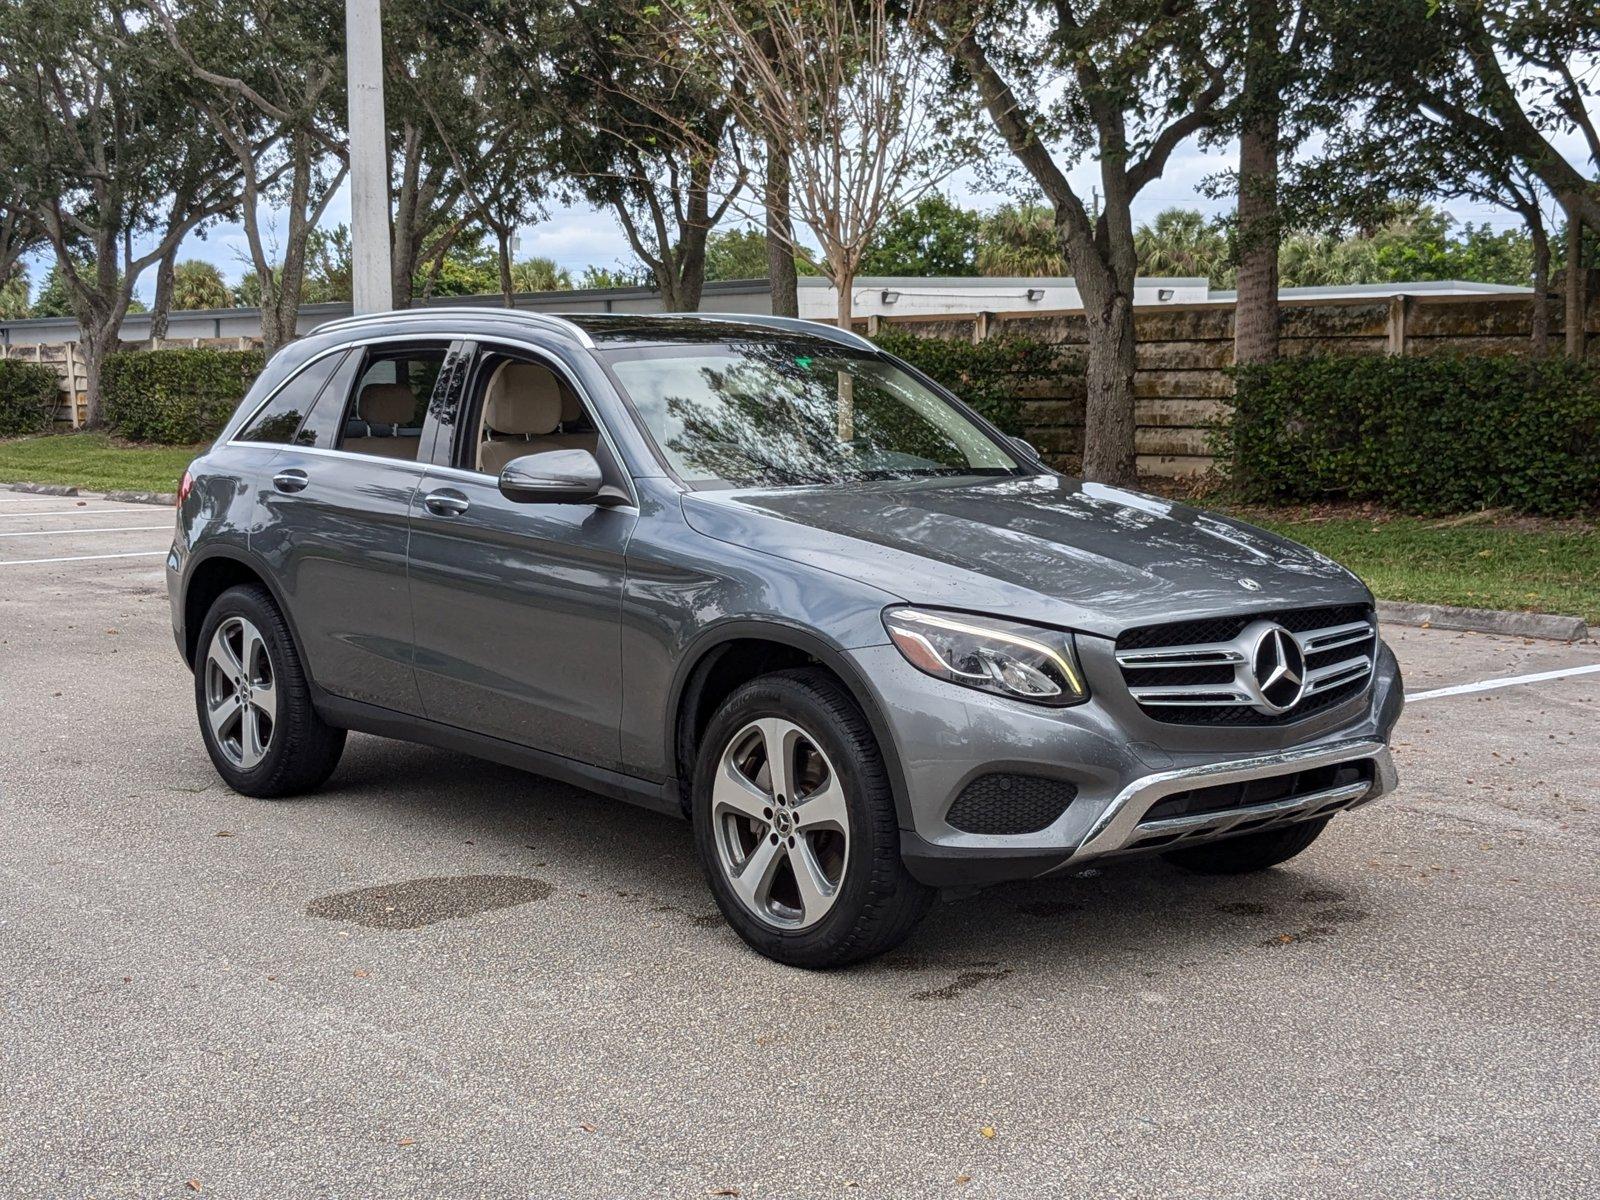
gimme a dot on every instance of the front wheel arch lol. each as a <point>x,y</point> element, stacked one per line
<point>690,705</point>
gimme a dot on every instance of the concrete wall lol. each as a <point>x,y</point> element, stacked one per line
<point>1183,352</point>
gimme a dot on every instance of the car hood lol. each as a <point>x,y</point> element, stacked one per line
<point>1043,548</point>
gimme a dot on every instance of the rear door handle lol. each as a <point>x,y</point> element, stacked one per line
<point>446,502</point>
<point>292,480</point>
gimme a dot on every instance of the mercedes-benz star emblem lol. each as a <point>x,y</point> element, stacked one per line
<point>1277,669</point>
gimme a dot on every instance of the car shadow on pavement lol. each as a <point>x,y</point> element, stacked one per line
<point>1141,914</point>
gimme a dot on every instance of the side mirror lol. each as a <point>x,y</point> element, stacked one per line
<point>554,477</point>
<point>1026,448</point>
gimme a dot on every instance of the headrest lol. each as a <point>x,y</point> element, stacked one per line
<point>387,404</point>
<point>523,398</point>
<point>571,409</point>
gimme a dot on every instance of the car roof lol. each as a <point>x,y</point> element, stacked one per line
<point>615,330</point>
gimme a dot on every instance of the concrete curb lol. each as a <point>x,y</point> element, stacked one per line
<point>44,489</point>
<point>1485,620</point>
<point>167,498</point>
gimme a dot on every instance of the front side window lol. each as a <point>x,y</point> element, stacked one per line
<point>776,413</point>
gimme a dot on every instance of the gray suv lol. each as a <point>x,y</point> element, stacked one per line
<point>758,573</point>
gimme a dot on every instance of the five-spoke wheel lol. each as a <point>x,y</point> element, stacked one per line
<point>796,827</point>
<point>241,693</point>
<point>782,824</point>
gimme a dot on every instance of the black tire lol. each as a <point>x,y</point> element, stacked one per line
<point>878,903</point>
<point>1249,851</point>
<point>302,750</point>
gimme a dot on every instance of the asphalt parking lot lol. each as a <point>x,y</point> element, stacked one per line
<point>442,977</point>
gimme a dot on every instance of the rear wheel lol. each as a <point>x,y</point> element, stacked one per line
<point>795,825</point>
<point>256,717</point>
<point>1249,851</point>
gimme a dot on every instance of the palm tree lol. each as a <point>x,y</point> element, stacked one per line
<point>1181,242</point>
<point>1021,239</point>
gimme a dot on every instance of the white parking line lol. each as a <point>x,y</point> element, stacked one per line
<point>73,532</point>
<point>29,562</point>
<point>1488,685</point>
<point>76,512</point>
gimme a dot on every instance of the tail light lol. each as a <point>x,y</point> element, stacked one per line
<point>185,486</point>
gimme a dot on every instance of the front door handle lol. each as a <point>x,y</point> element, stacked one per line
<point>446,503</point>
<point>292,480</point>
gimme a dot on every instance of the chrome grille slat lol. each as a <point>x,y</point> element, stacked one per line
<point>1169,678</point>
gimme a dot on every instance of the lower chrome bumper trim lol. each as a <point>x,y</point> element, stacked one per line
<point>1119,828</point>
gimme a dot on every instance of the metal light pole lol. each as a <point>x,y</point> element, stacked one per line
<point>371,286</point>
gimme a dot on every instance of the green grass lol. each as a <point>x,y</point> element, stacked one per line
<point>1551,567</point>
<point>94,462</point>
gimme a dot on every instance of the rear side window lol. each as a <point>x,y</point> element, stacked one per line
<point>282,421</point>
<point>389,402</point>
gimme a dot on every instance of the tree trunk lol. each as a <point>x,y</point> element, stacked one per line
<point>1540,324</point>
<point>781,273</point>
<point>1577,289</point>
<point>502,237</point>
<point>1255,317</point>
<point>1108,423</point>
<point>162,304</point>
<point>844,310</point>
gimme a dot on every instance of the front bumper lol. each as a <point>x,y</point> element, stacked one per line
<point>1121,766</point>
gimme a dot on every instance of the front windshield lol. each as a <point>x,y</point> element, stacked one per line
<point>774,413</point>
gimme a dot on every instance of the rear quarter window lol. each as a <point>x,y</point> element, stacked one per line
<point>282,421</point>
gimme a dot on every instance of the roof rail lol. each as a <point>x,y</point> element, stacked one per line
<point>818,329</point>
<point>543,320</point>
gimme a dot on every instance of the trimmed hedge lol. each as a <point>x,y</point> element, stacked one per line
<point>175,396</point>
<point>1424,435</point>
<point>986,374</point>
<point>29,393</point>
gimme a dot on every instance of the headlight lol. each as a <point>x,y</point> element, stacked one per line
<point>1024,662</point>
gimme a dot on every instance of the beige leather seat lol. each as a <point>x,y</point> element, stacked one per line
<point>522,407</point>
<point>384,408</point>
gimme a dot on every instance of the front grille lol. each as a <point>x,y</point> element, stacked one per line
<point>1224,797</point>
<point>1187,672</point>
<point>1003,802</point>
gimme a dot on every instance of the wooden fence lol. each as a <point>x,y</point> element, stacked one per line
<point>1184,350</point>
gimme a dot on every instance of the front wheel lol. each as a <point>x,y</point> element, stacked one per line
<point>795,825</point>
<point>254,704</point>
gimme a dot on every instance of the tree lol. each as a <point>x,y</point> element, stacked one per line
<point>197,284</point>
<point>738,254</point>
<point>614,277</point>
<point>935,236</point>
<point>1183,242</point>
<point>14,296</point>
<point>270,82</point>
<point>117,157</point>
<point>328,265</point>
<point>632,126</point>
<point>850,89</point>
<point>1021,239</point>
<point>1504,77</point>
<point>1137,79</point>
<point>540,275</point>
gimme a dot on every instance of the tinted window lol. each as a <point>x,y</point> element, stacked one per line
<point>389,402</point>
<point>769,414</point>
<point>281,421</point>
<point>326,420</point>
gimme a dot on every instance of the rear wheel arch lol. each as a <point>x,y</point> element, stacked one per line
<point>211,575</point>
<point>737,652</point>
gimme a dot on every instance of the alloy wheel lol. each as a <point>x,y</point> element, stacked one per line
<point>241,692</point>
<point>781,823</point>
